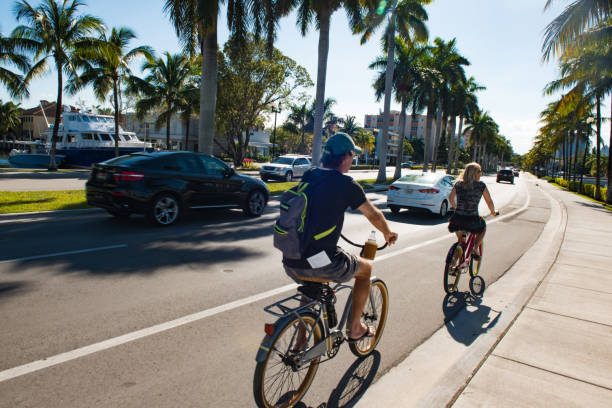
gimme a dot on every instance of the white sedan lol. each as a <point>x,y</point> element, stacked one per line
<point>428,191</point>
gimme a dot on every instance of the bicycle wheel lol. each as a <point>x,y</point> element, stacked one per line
<point>279,381</point>
<point>374,314</point>
<point>451,269</point>
<point>475,264</point>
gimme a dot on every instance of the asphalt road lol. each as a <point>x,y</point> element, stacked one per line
<point>102,328</point>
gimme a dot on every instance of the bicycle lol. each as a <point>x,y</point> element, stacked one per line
<point>285,368</point>
<point>459,260</point>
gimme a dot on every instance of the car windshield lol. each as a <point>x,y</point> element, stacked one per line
<point>420,178</point>
<point>283,160</point>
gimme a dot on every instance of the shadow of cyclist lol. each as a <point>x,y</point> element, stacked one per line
<point>466,318</point>
<point>353,383</point>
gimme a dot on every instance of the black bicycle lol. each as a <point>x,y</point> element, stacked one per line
<point>307,330</point>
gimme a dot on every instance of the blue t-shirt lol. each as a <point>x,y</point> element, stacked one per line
<point>334,194</point>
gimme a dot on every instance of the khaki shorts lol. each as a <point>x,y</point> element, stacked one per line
<point>342,269</point>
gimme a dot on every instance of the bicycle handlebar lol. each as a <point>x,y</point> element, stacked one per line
<point>361,246</point>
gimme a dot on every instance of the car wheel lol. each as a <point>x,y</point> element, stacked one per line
<point>118,214</point>
<point>164,210</point>
<point>289,176</point>
<point>444,209</point>
<point>394,209</point>
<point>255,204</point>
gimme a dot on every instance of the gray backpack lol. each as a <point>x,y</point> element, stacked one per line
<point>291,234</point>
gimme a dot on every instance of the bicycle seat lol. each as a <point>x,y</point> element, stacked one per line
<point>315,290</point>
<point>313,280</point>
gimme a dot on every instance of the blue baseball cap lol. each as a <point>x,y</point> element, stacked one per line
<point>340,143</point>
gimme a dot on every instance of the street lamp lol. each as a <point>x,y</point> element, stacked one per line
<point>275,110</point>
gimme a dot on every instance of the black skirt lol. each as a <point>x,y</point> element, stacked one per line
<point>469,223</point>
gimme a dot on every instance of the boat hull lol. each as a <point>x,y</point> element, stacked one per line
<point>35,160</point>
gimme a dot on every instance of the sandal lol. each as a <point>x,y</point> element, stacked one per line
<point>370,332</point>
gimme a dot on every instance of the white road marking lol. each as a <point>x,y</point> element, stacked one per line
<point>139,334</point>
<point>106,344</point>
<point>80,251</point>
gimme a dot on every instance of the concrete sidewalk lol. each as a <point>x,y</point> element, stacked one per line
<point>544,330</point>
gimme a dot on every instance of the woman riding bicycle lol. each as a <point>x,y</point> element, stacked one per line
<point>464,199</point>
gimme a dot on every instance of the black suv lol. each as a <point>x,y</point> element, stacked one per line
<point>505,175</point>
<point>162,185</point>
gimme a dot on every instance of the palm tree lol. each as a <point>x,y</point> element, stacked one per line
<point>10,55</point>
<point>297,121</point>
<point>168,83</point>
<point>321,12</point>
<point>189,105</point>
<point>567,29</point>
<point>466,105</point>
<point>55,31</point>
<point>482,128</point>
<point>10,118</point>
<point>107,67</point>
<point>195,22</point>
<point>407,77</point>
<point>364,139</point>
<point>349,125</point>
<point>407,18</point>
<point>446,60</point>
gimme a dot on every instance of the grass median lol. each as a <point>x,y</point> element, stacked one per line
<point>12,202</point>
<point>33,201</point>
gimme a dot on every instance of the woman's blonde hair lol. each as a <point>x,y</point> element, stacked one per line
<point>469,174</point>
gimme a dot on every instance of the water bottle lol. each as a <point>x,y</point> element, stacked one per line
<point>370,247</point>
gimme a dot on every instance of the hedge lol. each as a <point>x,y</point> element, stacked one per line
<point>587,189</point>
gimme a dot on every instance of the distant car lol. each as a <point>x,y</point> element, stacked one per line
<point>428,191</point>
<point>407,165</point>
<point>285,168</point>
<point>163,185</point>
<point>505,175</point>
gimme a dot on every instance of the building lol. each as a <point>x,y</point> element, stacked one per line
<point>259,143</point>
<point>36,120</point>
<point>415,128</point>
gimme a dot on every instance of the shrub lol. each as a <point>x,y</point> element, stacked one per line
<point>248,163</point>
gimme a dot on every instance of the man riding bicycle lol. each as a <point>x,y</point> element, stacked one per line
<point>333,193</point>
<point>464,199</point>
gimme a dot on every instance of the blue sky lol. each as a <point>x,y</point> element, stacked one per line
<point>501,38</point>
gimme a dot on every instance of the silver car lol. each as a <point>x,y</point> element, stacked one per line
<point>285,168</point>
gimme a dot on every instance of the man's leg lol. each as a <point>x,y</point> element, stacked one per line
<point>361,291</point>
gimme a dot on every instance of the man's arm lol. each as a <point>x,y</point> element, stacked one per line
<point>378,220</point>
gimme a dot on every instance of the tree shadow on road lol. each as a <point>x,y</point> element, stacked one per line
<point>353,384</point>
<point>475,320</point>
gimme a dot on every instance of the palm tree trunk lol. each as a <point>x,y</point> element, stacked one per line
<point>400,150</point>
<point>382,153</point>
<point>598,151</point>
<point>586,148</point>
<point>317,142</point>
<point>58,112</point>
<point>428,130</point>
<point>208,92</point>
<point>438,134</point>
<point>458,145</point>
<point>187,132</point>
<point>475,149</point>
<point>168,130</point>
<point>116,103</point>
<point>609,190</point>
<point>576,148</point>
<point>570,151</point>
<point>484,155</point>
<point>451,145</point>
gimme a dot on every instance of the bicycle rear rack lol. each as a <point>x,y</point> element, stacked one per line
<point>290,305</point>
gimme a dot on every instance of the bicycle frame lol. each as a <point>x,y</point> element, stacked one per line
<point>284,310</point>
<point>468,247</point>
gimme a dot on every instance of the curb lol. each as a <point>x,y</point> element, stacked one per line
<point>439,369</point>
<point>51,216</point>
